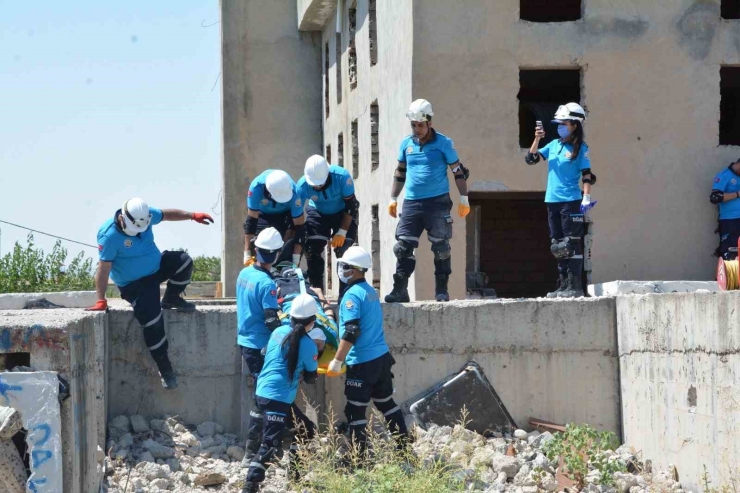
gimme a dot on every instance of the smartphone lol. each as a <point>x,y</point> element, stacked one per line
<point>538,124</point>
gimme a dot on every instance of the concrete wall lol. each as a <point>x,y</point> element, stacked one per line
<point>680,381</point>
<point>551,360</point>
<point>271,86</point>
<point>650,81</point>
<point>72,343</point>
<point>388,82</point>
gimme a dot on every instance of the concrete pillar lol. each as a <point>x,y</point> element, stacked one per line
<point>271,107</point>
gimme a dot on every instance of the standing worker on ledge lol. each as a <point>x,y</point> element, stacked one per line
<point>273,201</point>
<point>725,192</point>
<point>567,160</point>
<point>332,210</point>
<point>128,254</point>
<point>362,345</point>
<point>423,160</point>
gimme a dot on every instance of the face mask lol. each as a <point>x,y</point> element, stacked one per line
<point>563,131</point>
<point>341,273</point>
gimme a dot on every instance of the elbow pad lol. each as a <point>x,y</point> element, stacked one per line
<point>310,376</point>
<point>250,225</point>
<point>532,158</point>
<point>351,205</point>
<point>717,197</point>
<point>402,172</point>
<point>461,172</point>
<point>351,331</point>
<point>300,233</point>
<point>272,321</point>
<point>588,176</point>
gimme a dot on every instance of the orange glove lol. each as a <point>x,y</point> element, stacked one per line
<point>202,217</point>
<point>100,306</point>
<point>334,369</point>
<point>248,259</point>
<point>393,208</point>
<point>338,240</point>
<point>464,208</point>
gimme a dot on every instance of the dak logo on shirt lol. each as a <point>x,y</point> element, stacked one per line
<point>409,150</point>
<point>128,243</point>
<point>265,201</point>
<point>567,155</point>
<point>349,305</point>
<point>349,181</point>
<point>298,202</point>
<point>733,181</point>
<point>314,197</point>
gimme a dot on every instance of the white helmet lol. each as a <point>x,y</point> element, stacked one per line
<point>570,111</point>
<point>303,306</point>
<point>280,186</point>
<point>420,111</point>
<point>136,216</point>
<point>269,239</point>
<point>316,170</point>
<point>356,256</point>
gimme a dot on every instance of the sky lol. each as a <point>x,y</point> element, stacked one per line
<point>104,101</point>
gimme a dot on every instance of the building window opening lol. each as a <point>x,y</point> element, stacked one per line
<point>373,34</point>
<point>352,17</point>
<point>540,94</point>
<point>729,106</point>
<point>508,246</point>
<point>730,9</point>
<point>326,81</point>
<point>550,10</point>
<point>374,124</point>
<point>339,67</point>
<point>340,150</point>
<point>327,154</point>
<point>355,152</point>
<point>375,247</point>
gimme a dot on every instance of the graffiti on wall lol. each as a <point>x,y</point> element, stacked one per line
<point>35,395</point>
<point>38,336</point>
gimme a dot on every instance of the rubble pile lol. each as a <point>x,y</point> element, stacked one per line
<point>518,464</point>
<point>170,455</point>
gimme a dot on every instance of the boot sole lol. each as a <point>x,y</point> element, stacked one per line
<point>177,309</point>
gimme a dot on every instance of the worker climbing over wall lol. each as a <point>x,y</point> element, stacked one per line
<point>725,194</point>
<point>129,255</point>
<point>273,201</point>
<point>423,160</point>
<point>257,317</point>
<point>363,347</point>
<point>331,215</point>
<point>567,160</point>
<point>291,356</point>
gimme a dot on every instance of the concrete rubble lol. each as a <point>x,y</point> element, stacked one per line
<point>193,458</point>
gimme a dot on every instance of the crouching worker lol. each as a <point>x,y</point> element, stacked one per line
<point>129,255</point>
<point>290,354</point>
<point>362,345</point>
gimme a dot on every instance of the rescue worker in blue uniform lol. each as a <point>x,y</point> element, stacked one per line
<point>725,192</point>
<point>291,354</point>
<point>423,160</point>
<point>568,160</point>
<point>257,317</point>
<point>130,257</point>
<point>331,214</point>
<point>273,201</point>
<point>363,348</point>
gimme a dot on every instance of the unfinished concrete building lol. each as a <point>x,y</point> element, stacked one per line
<point>658,78</point>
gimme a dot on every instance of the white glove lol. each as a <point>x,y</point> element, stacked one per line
<point>335,366</point>
<point>586,204</point>
<point>296,259</point>
<point>247,255</point>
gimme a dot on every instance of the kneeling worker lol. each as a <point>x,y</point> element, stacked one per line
<point>273,201</point>
<point>365,351</point>
<point>128,254</point>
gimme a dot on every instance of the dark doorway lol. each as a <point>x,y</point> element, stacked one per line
<point>513,243</point>
<point>550,10</point>
<point>540,94</point>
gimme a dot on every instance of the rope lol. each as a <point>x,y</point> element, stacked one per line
<point>733,269</point>
<point>48,234</point>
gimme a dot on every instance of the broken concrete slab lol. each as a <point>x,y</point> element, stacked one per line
<point>470,389</point>
<point>615,288</point>
<point>66,299</point>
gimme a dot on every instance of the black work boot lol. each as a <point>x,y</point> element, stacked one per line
<point>166,373</point>
<point>562,284</point>
<point>400,293</point>
<point>176,302</point>
<point>440,288</point>
<point>574,288</point>
<point>251,487</point>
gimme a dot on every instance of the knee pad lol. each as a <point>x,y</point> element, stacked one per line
<point>441,250</point>
<point>562,248</point>
<point>403,249</point>
<point>314,249</point>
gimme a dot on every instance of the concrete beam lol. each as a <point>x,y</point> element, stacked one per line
<point>314,14</point>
